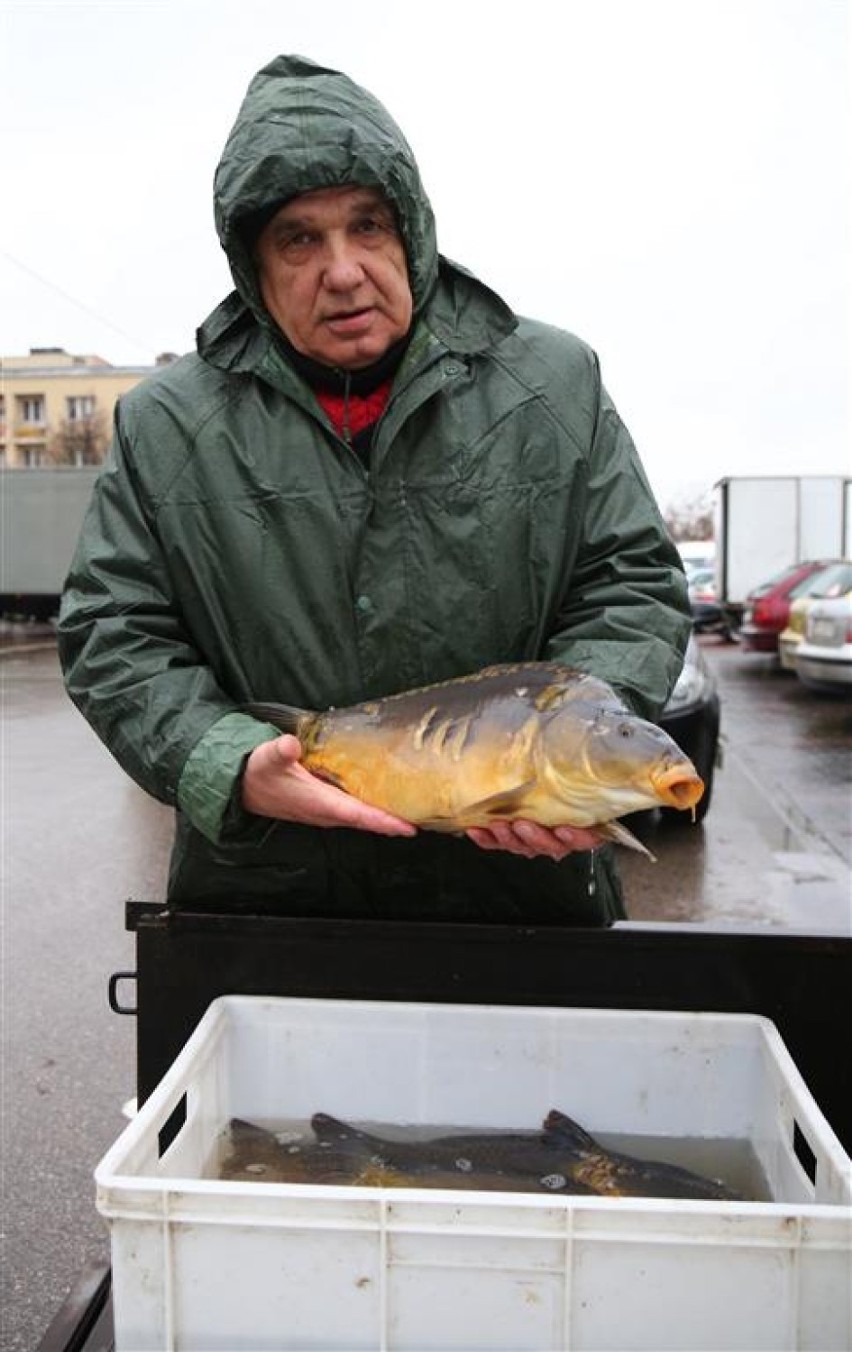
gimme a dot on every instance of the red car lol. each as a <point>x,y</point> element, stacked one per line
<point>768,606</point>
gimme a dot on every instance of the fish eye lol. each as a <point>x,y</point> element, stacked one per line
<point>625,730</point>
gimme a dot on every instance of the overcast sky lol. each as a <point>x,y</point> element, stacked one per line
<point>667,178</point>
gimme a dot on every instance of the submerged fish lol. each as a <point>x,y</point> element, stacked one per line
<point>534,740</point>
<point>257,1155</point>
<point>612,1174</point>
<point>507,1161</point>
<point>561,1158</point>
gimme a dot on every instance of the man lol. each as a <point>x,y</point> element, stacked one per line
<point>370,476</point>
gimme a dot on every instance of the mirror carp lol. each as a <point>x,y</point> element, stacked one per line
<point>534,740</point>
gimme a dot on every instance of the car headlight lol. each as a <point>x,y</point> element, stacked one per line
<point>693,687</point>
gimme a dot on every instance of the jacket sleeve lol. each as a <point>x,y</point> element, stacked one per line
<point>624,613</point>
<point>130,664</point>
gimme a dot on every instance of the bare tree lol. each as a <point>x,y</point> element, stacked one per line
<point>79,441</point>
<point>690,518</point>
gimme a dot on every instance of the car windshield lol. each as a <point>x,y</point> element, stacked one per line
<point>831,581</point>
<point>766,587</point>
<point>701,578</point>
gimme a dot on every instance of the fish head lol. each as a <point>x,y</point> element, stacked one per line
<point>610,762</point>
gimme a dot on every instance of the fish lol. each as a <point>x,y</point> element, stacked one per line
<point>508,1161</point>
<point>256,1154</point>
<point>608,1173</point>
<point>562,1158</point>
<point>534,740</point>
<point>339,1156</point>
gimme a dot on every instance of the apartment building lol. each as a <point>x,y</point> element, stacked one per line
<point>56,408</point>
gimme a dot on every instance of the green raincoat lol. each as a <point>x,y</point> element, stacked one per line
<point>237,549</point>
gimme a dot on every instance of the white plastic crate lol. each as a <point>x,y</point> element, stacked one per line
<point>207,1265</point>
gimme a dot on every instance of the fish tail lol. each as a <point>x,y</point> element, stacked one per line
<point>283,716</point>
<point>568,1133</point>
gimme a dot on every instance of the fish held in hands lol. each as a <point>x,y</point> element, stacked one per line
<point>531,740</point>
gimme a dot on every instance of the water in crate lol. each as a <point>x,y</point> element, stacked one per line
<point>560,1158</point>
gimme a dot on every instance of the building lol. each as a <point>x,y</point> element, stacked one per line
<point>56,408</point>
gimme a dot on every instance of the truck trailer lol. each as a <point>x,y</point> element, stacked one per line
<point>765,523</point>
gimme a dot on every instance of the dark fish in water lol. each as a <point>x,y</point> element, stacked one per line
<point>261,1156</point>
<point>611,1174</point>
<point>506,1160</point>
<point>534,740</point>
<point>562,1157</point>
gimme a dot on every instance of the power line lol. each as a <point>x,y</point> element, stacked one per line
<point>87,309</point>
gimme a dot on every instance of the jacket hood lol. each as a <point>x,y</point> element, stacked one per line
<point>303,126</point>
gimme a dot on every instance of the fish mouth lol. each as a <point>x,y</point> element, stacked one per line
<point>679,787</point>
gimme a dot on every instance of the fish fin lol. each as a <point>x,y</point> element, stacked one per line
<point>619,834</point>
<point>284,716</point>
<point>550,697</point>
<point>325,1126</point>
<point>560,1128</point>
<point>330,1129</point>
<point>243,1131</point>
<point>506,804</point>
<point>570,686</point>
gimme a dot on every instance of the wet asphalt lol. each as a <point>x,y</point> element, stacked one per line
<point>776,845</point>
<point>79,839</point>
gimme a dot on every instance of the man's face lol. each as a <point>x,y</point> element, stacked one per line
<point>333,275</point>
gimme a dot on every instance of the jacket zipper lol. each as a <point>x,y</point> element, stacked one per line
<point>347,427</point>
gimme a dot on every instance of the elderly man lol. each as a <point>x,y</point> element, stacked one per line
<point>370,476</point>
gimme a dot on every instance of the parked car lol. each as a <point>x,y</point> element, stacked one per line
<point>702,579</point>
<point>824,656</point>
<point>692,717</point>
<point>767,608</point>
<point>832,581</point>
<point>708,614</point>
<point>791,636</point>
<point>696,555</point>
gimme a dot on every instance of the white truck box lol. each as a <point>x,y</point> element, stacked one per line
<point>764,524</point>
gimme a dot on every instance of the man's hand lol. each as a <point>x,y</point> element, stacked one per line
<point>529,839</point>
<point>276,785</point>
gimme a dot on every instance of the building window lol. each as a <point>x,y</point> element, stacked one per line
<point>31,409</point>
<point>80,407</point>
<point>32,457</point>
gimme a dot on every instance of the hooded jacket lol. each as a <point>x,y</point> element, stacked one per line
<point>236,548</point>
